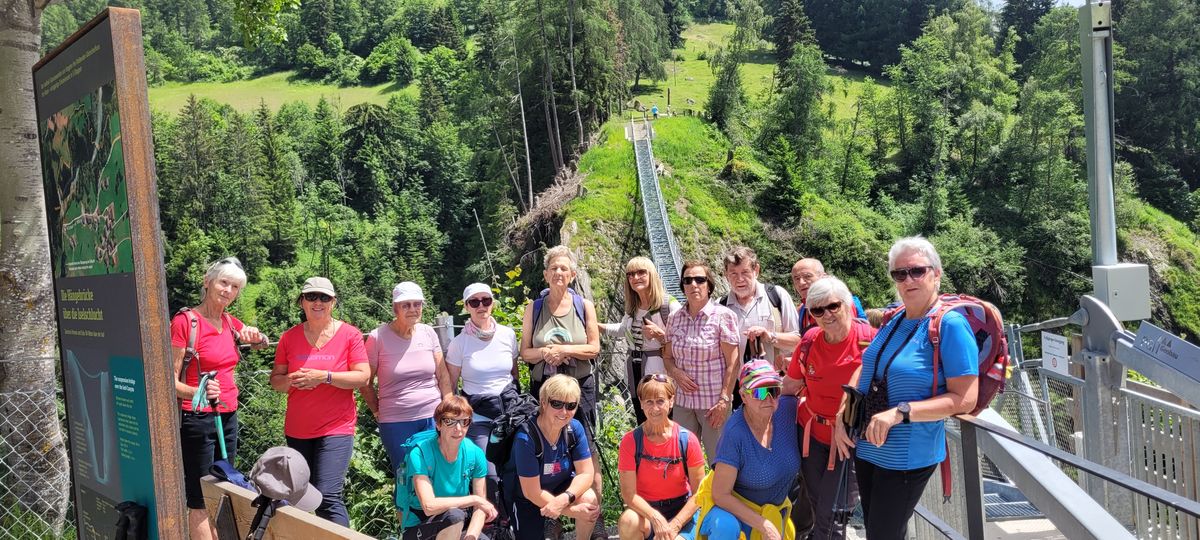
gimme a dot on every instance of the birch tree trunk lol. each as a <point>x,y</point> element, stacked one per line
<point>31,441</point>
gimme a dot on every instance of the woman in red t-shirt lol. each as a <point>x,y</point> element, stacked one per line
<point>659,486</point>
<point>828,356</point>
<point>318,364</point>
<point>215,334</point>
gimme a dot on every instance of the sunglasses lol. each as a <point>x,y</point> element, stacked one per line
<point>917,272</point>
<point>659,377</point>
<point>820,311</point>
<point>560,405</point>
<point>698,280</point>
<point>636,273</point>
<point>476,302</point>
<point>317,297</point>
<point>451,422</point>
<point>230,260</point>
<point>762,393</point>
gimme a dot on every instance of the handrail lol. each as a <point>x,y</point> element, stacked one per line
<point>968,424</point>
<point>936,522</point>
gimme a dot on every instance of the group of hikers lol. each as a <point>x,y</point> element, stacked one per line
<point>756,416</point>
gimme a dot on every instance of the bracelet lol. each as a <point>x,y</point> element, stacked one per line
<point>328,377</point>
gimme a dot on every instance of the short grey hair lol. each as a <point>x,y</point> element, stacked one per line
<point>229,268</point>
<point>913,244</point>
<point>560,251</point>
<point>822,290</point>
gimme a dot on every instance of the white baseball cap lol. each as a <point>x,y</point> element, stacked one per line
<point>474,289</point>
<point>407,290</point>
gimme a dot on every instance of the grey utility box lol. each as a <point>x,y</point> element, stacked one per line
<point>1125,288</point>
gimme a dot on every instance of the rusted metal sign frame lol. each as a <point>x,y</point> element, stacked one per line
<point>162,412</point>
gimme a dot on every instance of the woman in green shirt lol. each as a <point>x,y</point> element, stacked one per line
<point>449,478</point>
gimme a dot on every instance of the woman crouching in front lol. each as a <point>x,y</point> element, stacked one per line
<point>559,483</point>
<point>449,477</point>
<point>757,462</point>
<point>661,465</point>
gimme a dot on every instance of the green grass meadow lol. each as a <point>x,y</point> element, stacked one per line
<point>274,89</point>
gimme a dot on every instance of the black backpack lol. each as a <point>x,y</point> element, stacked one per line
<point>516,415</point>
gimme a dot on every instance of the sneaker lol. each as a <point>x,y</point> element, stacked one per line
<point>599,533</point>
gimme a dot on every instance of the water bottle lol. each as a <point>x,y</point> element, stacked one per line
<point>996,372</point>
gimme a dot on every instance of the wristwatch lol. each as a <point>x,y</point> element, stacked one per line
<point>570,497</point>
<point>904,409</point>
<point>328,377</point>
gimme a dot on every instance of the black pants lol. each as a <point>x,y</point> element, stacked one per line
<point>889,498</point>
<point>527,520</point>
<point>430,526</point>
<point>635,376</point>
<point>823,486</point>
<point>328,460</point>
<point>198,439</point>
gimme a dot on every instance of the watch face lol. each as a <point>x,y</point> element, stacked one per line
<point>904,408</point>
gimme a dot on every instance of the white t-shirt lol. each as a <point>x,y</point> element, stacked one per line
<point>631,329</point>
<point>486,365</point>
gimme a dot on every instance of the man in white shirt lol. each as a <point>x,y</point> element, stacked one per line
<point>763,310</point>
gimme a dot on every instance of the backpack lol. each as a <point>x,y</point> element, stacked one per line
<point>406,495</point>
<point>639,439</point>
<point>988,326</point>
<point>580,310</point>
<point>516,415</point>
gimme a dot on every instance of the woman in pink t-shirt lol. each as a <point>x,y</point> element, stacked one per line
<point>215,334</point>
<point>406,364</point>
<point>318,364</point>
<point>659,485</point>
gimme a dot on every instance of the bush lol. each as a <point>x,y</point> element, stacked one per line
<point>393,60</point>
<point>311,62</point>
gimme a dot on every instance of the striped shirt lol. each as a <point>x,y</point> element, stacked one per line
<point>910,378</point>
<point>696,349</point>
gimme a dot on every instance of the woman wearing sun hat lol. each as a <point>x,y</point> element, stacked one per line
<point>484,356</point>
<point>406,362</point>
<point>757,462</point>
<point>318,364</point>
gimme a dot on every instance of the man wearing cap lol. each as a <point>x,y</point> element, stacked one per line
<point>318,364</point>
<point>408,378</point>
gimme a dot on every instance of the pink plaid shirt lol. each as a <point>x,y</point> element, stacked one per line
<point>696,350</point>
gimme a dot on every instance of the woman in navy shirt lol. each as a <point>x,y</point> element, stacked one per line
<point>903,444</point>
<point>558,484</point>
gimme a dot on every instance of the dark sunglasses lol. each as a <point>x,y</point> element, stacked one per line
<point>451,422</point>
<point>917,272</point>
<point>820,311</point>
<point>659,377</point>
<point>762,393</point>
<point>560,405</point>
<point>476,302</point>
<point>634,273</point>
<point>317,297</point>
<point>231,260</point>
<point>698,280</point>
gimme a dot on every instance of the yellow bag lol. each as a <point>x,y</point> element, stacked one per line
<point>773,512</point>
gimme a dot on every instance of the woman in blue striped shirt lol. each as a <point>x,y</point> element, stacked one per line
<point>903,444</point>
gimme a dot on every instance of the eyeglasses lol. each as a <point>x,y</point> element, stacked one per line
<point>451,422</point>
<point>698,280</point>
<point>917,272</point>
<point>476,302</point>
<point>762,393</point>
<point>411,304</point>
<point>560,405</point>
<point>659,377</point>
<point>317,297</point>
<point>820,311</point>
<point>636,273</point>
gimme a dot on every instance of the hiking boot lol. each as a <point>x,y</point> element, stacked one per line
<point>599,533</point>
<point>553,529</point>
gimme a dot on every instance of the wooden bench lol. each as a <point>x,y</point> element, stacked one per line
<point>289,523</point>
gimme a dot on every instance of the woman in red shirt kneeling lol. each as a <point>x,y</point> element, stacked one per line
<point>661,465</point>
<point>828,356</point>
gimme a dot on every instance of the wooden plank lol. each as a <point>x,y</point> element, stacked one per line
<point>289,522</point>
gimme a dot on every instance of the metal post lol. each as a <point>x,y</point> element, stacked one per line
<point>1105,436</point>
<point>1095,33</point>
<point>444,326</point>
<point>972,480</point>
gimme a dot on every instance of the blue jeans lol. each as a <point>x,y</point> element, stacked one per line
<point>328,460</point>
<point>395,434</point>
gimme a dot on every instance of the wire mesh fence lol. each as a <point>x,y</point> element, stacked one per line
<point>34,476</point>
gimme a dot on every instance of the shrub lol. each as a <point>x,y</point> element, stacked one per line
<point>393,60</point>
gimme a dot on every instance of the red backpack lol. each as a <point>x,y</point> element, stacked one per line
<point>988,327</point>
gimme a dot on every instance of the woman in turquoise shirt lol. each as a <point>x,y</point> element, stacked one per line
<point>449,477</point>
<point>903,444</point>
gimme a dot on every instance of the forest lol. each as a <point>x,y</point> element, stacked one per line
<point>954,119</point>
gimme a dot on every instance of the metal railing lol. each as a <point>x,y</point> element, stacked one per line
<point>663,248</point>
<point>29,512</point>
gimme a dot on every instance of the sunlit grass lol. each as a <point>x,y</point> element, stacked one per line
<point>274,89</point>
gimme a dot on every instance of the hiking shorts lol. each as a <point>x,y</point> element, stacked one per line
<point>198,439</point>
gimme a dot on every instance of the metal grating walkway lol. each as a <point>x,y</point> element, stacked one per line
<point>663,250</point>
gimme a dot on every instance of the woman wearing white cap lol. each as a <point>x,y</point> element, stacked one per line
<point>484,355</point>
<point>406,360</point>
<point>318,364</point>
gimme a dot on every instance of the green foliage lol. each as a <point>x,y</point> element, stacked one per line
<point>394,60</point>
<point>58,23</point>
<point>259,20</point>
